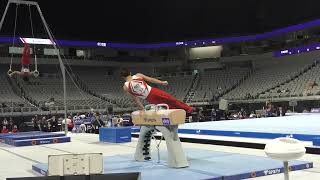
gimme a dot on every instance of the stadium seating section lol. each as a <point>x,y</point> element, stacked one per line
<point>94,88</point>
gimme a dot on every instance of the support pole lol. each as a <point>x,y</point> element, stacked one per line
<point>286,170</point>
<point>4,15</point>
<point>62,67</point>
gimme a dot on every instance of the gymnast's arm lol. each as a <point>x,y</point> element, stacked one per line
<point>136,99</point>
<point>153,80</point>
<point>15,72</point>
<point>138,102</point>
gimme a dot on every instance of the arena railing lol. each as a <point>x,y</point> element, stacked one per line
<point>21,111</point>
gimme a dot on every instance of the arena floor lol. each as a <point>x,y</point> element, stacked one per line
<point>17,161</point>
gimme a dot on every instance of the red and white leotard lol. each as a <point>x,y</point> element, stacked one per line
<point>26,55</point>
<point>138,87</point>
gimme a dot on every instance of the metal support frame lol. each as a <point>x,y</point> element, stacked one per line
<point>62,67</point>
<point>286,170</point>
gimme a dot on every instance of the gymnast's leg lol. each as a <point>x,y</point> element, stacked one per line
<point>158,96</point>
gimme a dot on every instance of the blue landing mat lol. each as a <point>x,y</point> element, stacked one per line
<point>203,164</point>
<point>19,133</point>
<point>33,135</point>
<point>12,139</point>
<point>26,134</point>
<point>33,138</point>
<point>304,127</point>
<point>40,141</point>
<point>316,142</point>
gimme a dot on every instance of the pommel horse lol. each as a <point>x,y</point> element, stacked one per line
<point>160,118</point>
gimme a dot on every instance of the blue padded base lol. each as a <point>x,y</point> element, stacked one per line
<point>203,164</point>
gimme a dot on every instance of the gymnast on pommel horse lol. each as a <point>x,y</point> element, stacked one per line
<point>138,88</point>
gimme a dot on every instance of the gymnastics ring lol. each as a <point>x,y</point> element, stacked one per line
<point>36,73</point>
<point>9,72</point>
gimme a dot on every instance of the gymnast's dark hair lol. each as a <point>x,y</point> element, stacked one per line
<point>125,73</point>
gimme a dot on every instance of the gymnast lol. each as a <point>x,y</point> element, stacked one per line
<point>136,86</point>
<point>25,63</point>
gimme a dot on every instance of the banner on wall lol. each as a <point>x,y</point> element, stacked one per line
<point>37,41</point>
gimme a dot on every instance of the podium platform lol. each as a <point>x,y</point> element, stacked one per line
<point>203,164</point>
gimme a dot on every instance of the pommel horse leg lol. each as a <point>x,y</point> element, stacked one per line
<point>161,118</point>
<point>176,155</point>
<point>143,146</point>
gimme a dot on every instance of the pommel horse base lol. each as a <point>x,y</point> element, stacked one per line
<point>160,118</point>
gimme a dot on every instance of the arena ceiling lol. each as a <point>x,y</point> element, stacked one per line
<point>144,21</point>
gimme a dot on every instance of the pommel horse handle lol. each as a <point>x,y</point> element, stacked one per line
<point>149,107</point>
<point>162,105</point>
<point>155,107</point>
